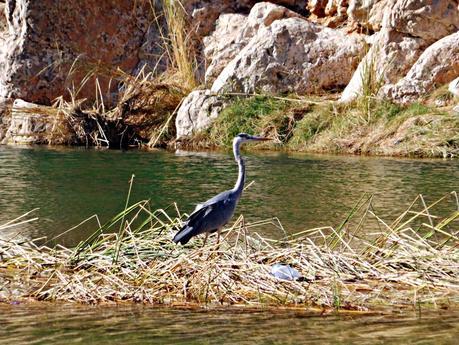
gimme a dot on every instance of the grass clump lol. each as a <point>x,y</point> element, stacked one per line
<point>366,263</point>
<point>391,129</point>
<point>249,115</point>
<point>178,45</point>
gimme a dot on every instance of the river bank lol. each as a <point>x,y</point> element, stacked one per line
<point>302,124</point>
<point>370,79</point>
<point>318,125</point>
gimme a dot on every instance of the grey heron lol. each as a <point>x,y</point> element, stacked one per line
<point>211,215</point>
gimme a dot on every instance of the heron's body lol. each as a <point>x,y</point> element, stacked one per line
<point>216,212</point>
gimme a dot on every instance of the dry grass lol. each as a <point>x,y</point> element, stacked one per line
<point>363,264</point>
<point>148,106</point>
<point>142,112</point>
<point>415,130</point>
<point>178,44</point>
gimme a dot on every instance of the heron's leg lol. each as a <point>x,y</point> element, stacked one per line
<point>218,235</point>
<point>205,239</point>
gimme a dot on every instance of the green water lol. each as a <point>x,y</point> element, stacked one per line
<point>303,191</point>
<point>69,185</point>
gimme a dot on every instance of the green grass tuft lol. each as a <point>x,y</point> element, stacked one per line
<point>245,115</point>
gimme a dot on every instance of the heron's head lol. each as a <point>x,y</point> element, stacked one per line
<point>244,137</point>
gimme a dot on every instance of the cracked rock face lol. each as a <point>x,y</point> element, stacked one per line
<point>438,65</point>
<point>291,55</point>
<point>45,37</point>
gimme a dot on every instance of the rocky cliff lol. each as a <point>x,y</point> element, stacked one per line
<point>48,47</point>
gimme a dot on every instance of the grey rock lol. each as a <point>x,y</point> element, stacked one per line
<point>29,124</point>
<point>292,55</point>
<point>392,54</point>
<point>453,87</point>
<point>224,43</point>
<point>234,31</point>
<point>438,65</point>
<point>407,29</point>
<point>197,112</point>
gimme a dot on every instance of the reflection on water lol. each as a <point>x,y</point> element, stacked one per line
<point>58,324</point>
<point>303,191</point>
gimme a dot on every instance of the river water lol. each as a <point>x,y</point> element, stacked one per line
<point>67,324</point>
<point>303,191</point>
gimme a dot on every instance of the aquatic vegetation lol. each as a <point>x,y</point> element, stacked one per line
<point>363,264</point>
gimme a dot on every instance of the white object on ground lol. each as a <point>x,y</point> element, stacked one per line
<point>284,272</point>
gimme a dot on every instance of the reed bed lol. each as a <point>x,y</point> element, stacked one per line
<point>364,264</point>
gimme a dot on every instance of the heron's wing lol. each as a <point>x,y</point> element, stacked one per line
<point>202,210</point>
<point>200,213</point>
<point>192,225</point>
<point>207,216</point>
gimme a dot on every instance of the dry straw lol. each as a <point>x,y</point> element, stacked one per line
<point>364,264</point>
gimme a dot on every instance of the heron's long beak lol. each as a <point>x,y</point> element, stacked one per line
<point>260,138</point>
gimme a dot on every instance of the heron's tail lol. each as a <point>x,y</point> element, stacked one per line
<point>184,235</point>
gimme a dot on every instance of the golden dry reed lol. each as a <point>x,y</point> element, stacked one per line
<point>364,264</point>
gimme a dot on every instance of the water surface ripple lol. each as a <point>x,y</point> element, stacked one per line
<point>303,191</point>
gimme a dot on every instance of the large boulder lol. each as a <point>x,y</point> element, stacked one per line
<point>224,43</point>
<point>292,55</point>
<point>427,19</point>
<point>391,55</point>
<point>197,112</point>
<point>407,29</point>
<point>204,13</point>
<point>438,65</point>
<point>46,37</point>
<point>234,31</point>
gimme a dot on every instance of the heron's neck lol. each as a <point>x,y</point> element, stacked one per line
<point>236,146</point>
<point>239,186</point>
